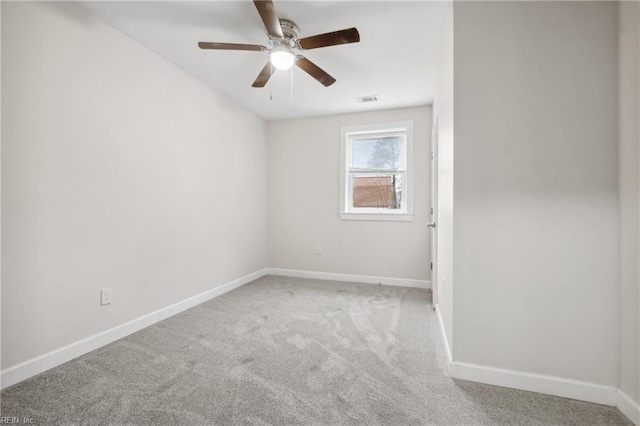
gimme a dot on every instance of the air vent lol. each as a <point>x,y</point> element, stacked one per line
<point>367,99</point>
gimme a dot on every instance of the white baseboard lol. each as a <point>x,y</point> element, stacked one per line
<point>444,338</point>
<point>550,385</point>
<point>365,279</point>
<point>40,364</point>
<point>628,407</point>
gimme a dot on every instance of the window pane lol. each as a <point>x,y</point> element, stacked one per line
<point>379,191</point>
<point>377,152</point>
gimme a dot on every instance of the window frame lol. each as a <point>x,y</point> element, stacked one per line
<point>348,134</point>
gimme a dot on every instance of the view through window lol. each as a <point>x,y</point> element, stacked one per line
<point>375,170</point>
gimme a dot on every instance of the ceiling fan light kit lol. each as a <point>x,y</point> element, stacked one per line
<point>283,43</point>
<point>281,58</point>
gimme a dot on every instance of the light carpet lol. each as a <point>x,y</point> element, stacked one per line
<point>286,351</point>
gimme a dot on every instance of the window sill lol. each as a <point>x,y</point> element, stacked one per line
<point>389,217</point>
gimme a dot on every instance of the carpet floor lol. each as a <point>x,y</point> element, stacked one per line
<point>286,351</point>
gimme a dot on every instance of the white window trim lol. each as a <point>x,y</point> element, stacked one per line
<point>403,216</point>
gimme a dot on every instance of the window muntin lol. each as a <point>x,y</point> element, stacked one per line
<point>375,176</point>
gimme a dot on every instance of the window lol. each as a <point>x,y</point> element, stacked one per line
<point>376,176</point>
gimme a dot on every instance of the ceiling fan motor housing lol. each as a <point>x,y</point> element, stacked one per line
<point>290,31</point>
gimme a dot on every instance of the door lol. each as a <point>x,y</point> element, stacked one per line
<point>433,217</point>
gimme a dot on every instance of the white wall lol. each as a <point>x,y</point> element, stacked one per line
<point>443,109</point>
<point>118,170</point>
<point>629,114</point>
<point>303,199</point>
<point>536,210</point>
<point>0,187</point>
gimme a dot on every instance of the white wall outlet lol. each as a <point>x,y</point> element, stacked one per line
<point>105,296</point>
<point>319,250</point>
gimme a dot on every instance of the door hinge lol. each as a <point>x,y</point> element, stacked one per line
<point>432,266</point>
<point>431,210</point>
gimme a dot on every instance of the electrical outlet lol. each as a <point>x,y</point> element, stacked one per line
<point>319,250</point>
<point>105,296</point>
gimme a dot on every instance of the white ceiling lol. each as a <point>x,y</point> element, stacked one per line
<point>396,59</point>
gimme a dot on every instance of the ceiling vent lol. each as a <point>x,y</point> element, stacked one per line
<point>367,99</point>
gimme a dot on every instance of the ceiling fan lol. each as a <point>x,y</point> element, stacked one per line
<point>283,44</point>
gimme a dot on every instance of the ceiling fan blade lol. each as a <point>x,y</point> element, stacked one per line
<point>315,71</point>
<point>334,38</point>
<point>268,14</point>
<point>230,46</point>
<point>264,76</point>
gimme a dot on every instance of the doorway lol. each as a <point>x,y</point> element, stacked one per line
<point>433,215</point>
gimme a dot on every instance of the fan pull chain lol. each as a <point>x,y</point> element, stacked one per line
<point>292,85</point>
<point>271,85</point>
